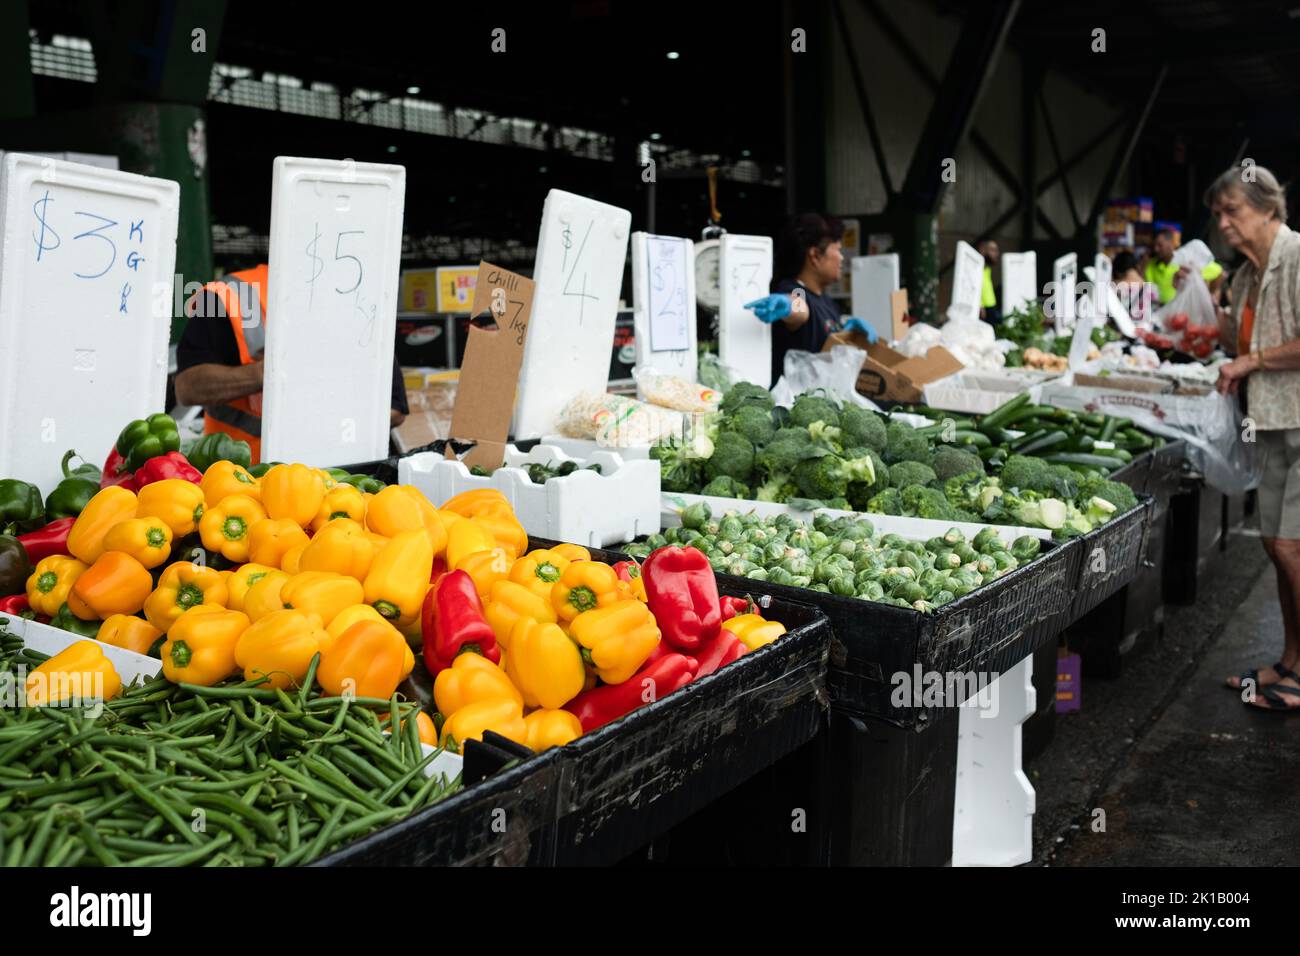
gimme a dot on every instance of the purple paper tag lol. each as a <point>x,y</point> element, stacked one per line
<point>1069,684</point>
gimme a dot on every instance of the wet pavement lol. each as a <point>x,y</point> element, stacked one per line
<point>1183,773</point>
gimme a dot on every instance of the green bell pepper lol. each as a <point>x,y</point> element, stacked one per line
<point>147,438</point>
<point>84,470</point>
<point>364,483</point>
<point>71,495</point>
<point>21,508</point>
<point>262,467</point>
<point>65,620</point>
<point>15,569</point>
<point>219,447</point>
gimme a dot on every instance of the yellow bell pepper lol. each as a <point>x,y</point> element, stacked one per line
<point>544,664</point>
<point>399,577</point>
<point>507,603</point>
<point>322,593</point>
<point>551,728</point>
<point>291,563</point>
<point>469,679</point>
<point>341,501</point>
<point>225,478</point>
<point>80,672</point>
<point>616,639</point>
<point>183,585</point>
<point>465,538</point>
<point>448,518</point>
<point>574,552</point>
<point>241,580</point>
<point>486,568</point>
<point>423,723</point>
<point>499,714</point>
<point>200,647</point>
<point>538,571</point>
<point>753,631</point>
<point>399,508</point>
<point>364,612</point>
<point>584,585</point>
<point>128,632</point>
<point>342,547</point>
<point>148,540</point>
<point>325,476</point>
<point>226,526</point>
<point>293,491</point>
<point>367,660</point>
<point>270,540</point>
<point>177,503</point>
<point>115,584</point>
<point>51,582</point>
<point>469,503</point>
<point>107,508</point>
<point>280,646</point>
<point>263,596</point>
<point>505,530</point>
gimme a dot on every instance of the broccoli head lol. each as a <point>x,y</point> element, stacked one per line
<point>904,443</point>
<point>887,502</point>
<point>754,423</point>
<point>778,489</point>
<point>725,486</point>
<point>745,393</point>
<point>828,476</point>
<point>926,503</point>
<point>784,451</point>
<point>860,492</point>
<point>733,456</point>
<point>1023,473</point>
<point>860,427</point>
<point>809,408</point>
<point>907,473</point>
<point>952,460</point>
<point>1117,493</point>
<point>963,491</point>
<point>678,471</point>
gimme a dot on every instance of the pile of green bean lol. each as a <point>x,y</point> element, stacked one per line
<point>177,775</point>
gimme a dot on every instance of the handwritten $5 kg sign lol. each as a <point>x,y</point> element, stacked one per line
<point>86,272</point>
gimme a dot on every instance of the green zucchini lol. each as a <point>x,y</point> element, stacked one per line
<point>1042,443</point>
<point>1102,463</point>
<point>1005,413</point>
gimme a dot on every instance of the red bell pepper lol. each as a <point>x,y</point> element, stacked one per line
<point>452,623</point>
<point>627,571</point>
<point>171,465</point>
<point>722,650</point>
<point>734,607</point>
<point>682,593</point>
<point>116,473</point>
<point>600,705</point>
<point>52,539</point>
<point>18,606</point>
<point>439,568</point>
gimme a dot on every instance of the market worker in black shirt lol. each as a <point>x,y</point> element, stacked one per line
<point>219,358</point>
<point>808,260</point>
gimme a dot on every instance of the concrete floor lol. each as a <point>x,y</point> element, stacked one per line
<point>1185,773</point>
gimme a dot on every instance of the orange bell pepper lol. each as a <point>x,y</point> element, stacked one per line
<point>225,478</point>
<point>366,660</point>
<point>176,502</point>
<point>241,580</point>
<point>293,491</point>
<point>505,530</point>
<point>322,593</point>
<point>499,714</point>
<point>200,647</point>
<point>280,646</point>
<point>270,540</point>
<point>263,595</point>
<point>183,585</point>
<point>148,540</point>
<point>107,508</point>
<point>551,728</point>
<point>574,552</point>
<point>341,501</point>
<point>79,672</point>
<point>423,723</point>
<point>364,612</point>
<point>486,568</point>
<point>115,584</point>
<point>469,679</point>
<point>226,526</point>
<point>469,503</point>
<point>128,632</point>
<point>507,603</point>
<point>51,582</point>
<point>340,546</point>
<point>291,563</point>
<point>584,585</point>
<point>399,508</point>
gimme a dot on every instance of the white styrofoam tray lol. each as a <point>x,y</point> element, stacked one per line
<point>919,529</point>
<point>616,505</point>
<point>581,448</point>
<point>979,392</point>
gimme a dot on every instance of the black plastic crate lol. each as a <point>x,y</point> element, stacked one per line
<point>1110,557</point>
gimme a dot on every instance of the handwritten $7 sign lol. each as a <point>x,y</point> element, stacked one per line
<point>346,276</point>
<point>98,252</point>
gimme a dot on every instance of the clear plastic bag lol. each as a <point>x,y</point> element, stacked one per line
<point>615,421</point>
<point>1216,446</point>
<point>669,391</point>
<point>835,371</point>
<point>1193,300</point>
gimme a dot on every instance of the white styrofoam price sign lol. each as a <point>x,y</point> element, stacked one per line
<point>1115,309</point>
<point>1019,280</point>
<point>336,253</point>
<point>86,273</point>
<point>744,341</point>
<point>1065,272</point>
<point>663,304</point>
<point>1101,290</point>
<point>581,250</point>
<point>967,282</point>
<point>873,279</point>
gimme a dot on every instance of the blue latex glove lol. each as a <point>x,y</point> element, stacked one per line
<point>771,308</point>
<point>854,324</point>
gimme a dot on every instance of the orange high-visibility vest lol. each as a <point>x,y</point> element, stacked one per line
<point>241,418</point>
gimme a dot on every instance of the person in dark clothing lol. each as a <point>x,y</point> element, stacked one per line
<point>802,315</point>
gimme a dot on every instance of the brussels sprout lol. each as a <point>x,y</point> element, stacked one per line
<point>697,515</point>
<point>909,591</point>
<point>656,541</point>
<point>925,607</point>
<point>893,541</point>
<point>966,553</point>
<point>846,547</point>
<point>858,530</point>
<point>818,539</point>
<point>802,580</point>
<point>1006,560</point>
<point>823,522</point>
<point>758,536</point>
<point>909,559</point>
<point>731,528</point>
<point>954,537</point>
<point>984,538</point>
<point>947,559</point>
<point>749,552</point>
<point>824,588</point>
<point>937,544</point>
<point>799,567</point>
<point>639,551</point>
<point>726,547</point>
<point>872,591</point>
<point>1026,547</point>
<point>774,552</point>
<point>843,586</point>
<point>961,590</point>
<point>987,564</point>
<point>758,574</point>
<point>719,564</point>
<point>944,597</point>
<point>780,575</point>
<point>740,567</point>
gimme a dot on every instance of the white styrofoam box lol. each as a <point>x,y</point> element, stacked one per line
<point>979,391</point>
<point>52,640</point>
<point>993,814</point>
<point>874,278</point>
<point>336,250</point>
<point>744,274</point>
<point>663,304</point>
<point>87,262</point>
<point>581,448</point>
<point>920,529</point>
<point>1019,280</point>
<point>596,510</point>
<point>1065,274</point>
<point>581,248</point>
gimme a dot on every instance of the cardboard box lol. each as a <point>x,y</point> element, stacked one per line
<point>430,417</point>
<point>891,375</point>
<point>1124,383</point>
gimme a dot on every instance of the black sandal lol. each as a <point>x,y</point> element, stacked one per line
<point>1276,694</point>
<point>1253,677</point>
